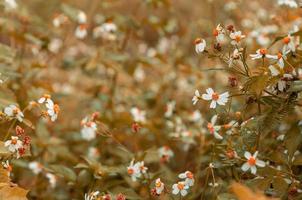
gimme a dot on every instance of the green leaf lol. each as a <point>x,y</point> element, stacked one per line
<point>66,172</point>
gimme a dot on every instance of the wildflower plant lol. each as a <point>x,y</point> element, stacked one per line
<point>161,100</point>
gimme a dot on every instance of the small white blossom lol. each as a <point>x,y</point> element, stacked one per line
<point>200,45</point>
<point>138,115</point>
<point>181,188</point>
<point>188,176</point>
<point>165,153</point>
<point>89,128</point>
<point>196,97</point>
<point>236,37</point>
<point>35,167</point>
<point>252,162</point>
<point>81,31</point>
<point>52,179</point>
<point>13,144</point>
<point>14,111</point>
<point>220,99</point>
<point>81,17</point>
<point>159,186</point>
<point>214,129</point>
<point>260,53</point>
<point>289,3</point>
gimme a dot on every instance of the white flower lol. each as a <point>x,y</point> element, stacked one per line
<point>81,31</point>
<point>81,17</point>
<point>219,33</point>
<point>165,153</point>
<point>14,111</point>
<point>35,167</point>
<point>59,20</point>
<point>236,37</point>
<point>215,98</point>
<point>45,99</point>
<point>53,110</point>
<point>260,53</point>
<point>141,167</point>
<point>289,3</point>
<point>106,31</point>
<point>235,56</point>
<point>196,97</point>
<point>280,57</point>
<point>138,115</point>
<point>252,162</point>
<point>289,44</point>
<point>55,45</point>
<point>13,144</point>
<point>188,176</point>
<point>181,188</point>
<point>214,129</point>
<point>10,4</point>
<point>200,45</point>
<point>195,116</point>
<point>52,179</point>
<point>88,131</point>
<point>134,171</point>
<point>7,166</point>
<point>159,186</point>
<point>170,108</point>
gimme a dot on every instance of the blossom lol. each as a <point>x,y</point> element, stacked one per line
<point>200,45</point>
<point>53,110</point>
<point>7,166</point>
<point>236,37</point>
<point>141,167</point>
<point>81,31</point>
<point>218,32</point>
<point>274,70</point>
<point>196,97</point>
<point>235,56</point>
<point>181,188</point>
<point>52,179</point>
<point>14,144</point>
<point>260,53</point>
<point>134,171</point>
<point>280,57</point>
<point>170,108</point>
<point>58,20</point>
<point>10,4</point>
<point>81,17</point>
<point>165,153</point>
<point>289,3</point>
<point>35,167</point>
<point>55,45</point>
<point>159,186</point>
<point>46,98</point>
<point>252,162</point>
<point>138,115</point>
<point>215,98</point>
<point>14,111</point>
<point>289,44</point>
<point>89,128</point>
<point>106,31</point>
<point>213,129</point>
<point>188,176</point>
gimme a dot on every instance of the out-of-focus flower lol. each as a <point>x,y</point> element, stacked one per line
<point>91,195</point>
<point>218,32</point>
<point>120,197</point>
<point>165,153</point>
<point>252,162</point>
<point>159,186</point>
<point>181,188</point>
<point>215,98</point>
<point>274,70</point>
<point>58,20</point>
<point>44,99</point>
<point>236,37</point>
<point>170,108</point>
<point>139,74</point>
<point>214,129</point>
<point>81,17</point>
<point>260,53</point>
<point>89,128</point>
<point>93,153</point>
<point>81,31</point>
<point>289,3</point>
<point>138,115</point>
<point>188,176</point>
<point>289,44</point>
<point>53,110</point>
<point>52,179</point>
<point>235,56</point>
<point>6,165</point>
<point>106,31</point>
<point>200,45</point>
<point>196,97</point>
<point>10,4</point>
<point>14,111</point>
<point>35,167</point>
<point>13,144</point>
<point>55,45</point>
<point>280,57</point>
